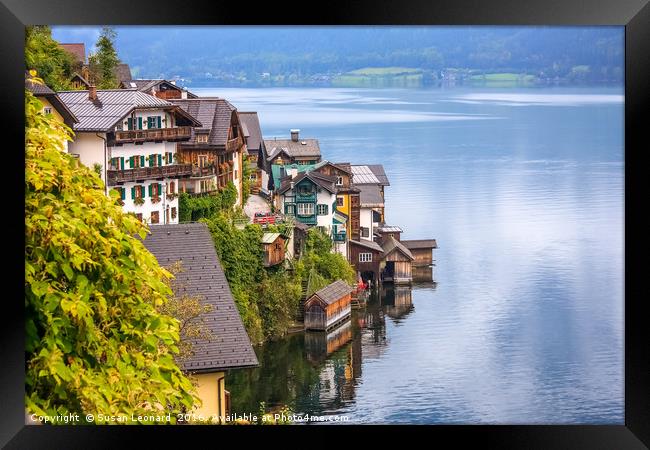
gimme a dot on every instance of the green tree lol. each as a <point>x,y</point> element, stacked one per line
<point>104,62</point>
<point>44,55</point>
<point>246,179</point>
<point>95,341</point>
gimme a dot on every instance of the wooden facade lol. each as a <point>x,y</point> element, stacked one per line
<point>397,263</point>
<point>273,245</point>
<point>366,270</point>
<point>328,307</point>
<point>422,251</point>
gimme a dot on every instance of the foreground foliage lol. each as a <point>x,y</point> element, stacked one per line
<point>95,342</point>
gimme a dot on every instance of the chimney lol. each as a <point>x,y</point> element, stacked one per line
<point>92,92</point>
<point>294,135</point>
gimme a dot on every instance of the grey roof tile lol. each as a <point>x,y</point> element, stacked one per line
<point>203,275</point>
<point>334,291</point>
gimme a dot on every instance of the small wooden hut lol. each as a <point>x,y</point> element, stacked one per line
<point>422,251</point>
<point>273,244</point>
<point>397,262</point>
<point>328,307</point>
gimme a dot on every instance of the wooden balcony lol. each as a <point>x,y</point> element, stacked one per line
<point>203,171</point>
<point>155,134</point>
<point>146,173</point>
<point>233,144</point>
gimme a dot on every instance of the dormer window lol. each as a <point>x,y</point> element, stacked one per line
<point>154,122</point>
<point>202,138</point>
<point>339,181</point>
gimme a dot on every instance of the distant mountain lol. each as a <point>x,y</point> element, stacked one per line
<point>321,55</point>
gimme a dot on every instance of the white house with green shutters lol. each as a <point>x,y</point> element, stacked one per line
<point>310,197</point>
<point>130,138</point>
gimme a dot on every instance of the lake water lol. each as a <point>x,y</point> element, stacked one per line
<point>524,192</point>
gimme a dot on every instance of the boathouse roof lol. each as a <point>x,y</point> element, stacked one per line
<point>202,275</point>
<point>389,229</point>
<point>269,238</point>
<point>391,244</point>
<point>421,243</point>
<point>333,292</point>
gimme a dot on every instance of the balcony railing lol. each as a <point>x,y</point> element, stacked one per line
<point>339,237</point>
<point>155,134</point>
<point>203,171</point>
<point>311,197</point>
<point>144,173</point>
<point>234,144</point>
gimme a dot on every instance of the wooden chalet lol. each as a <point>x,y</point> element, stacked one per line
<point>165,89</point>
<point>273,245</point>
<point>256,151</point>
<point>347,195</point>
<point>214,150</point>
<point>328,307</point>
<point>295,150</point>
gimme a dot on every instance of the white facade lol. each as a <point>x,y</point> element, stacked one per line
<point>90,148</point>
<point>166,207</point>
<point>325,197</point>
<point>365,221</point>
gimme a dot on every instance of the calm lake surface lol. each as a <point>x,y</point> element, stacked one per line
<point>524,191</point>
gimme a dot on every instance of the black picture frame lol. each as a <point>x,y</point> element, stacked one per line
<point>633,14</point>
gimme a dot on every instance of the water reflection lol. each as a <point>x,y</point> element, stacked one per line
<point>318,372</point>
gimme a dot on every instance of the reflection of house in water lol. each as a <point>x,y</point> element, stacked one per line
<point>319,344</point>
<point>398,302</point>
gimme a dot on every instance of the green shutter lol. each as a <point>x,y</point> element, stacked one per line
<point>133,193</point>
<point>139,123</point>
<point>122,162</point>
<point>159,189</point>
<point>159,122</point>
<point>149,190</point>
<point>142,161</point>
<point>129,122</point>
<point>159,159</point>
<point>150,160</point>
<point>123,192</point>
<point>132,162</point>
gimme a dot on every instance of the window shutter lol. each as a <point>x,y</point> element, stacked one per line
<point>150,190</point>
<point>159,157</point>
<point>159,120</point>
<point>139,123</point>
<point>129,122</point>
<point>133,193</point>
<point>159,189</point>
<point>132,162</point>
<point>122,162</point>
<point>142,161</point>
<point>123,191</point>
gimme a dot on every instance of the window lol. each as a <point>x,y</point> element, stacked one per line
<point>169,158</point>
<point>154,189</point>
<point>47,110</point>
<point>171,187</point>
<point>153,122</point>
<point>155,217</point>
<point>139,216</point>
<point>290,210</point>
<point>339,201</point>
<point>203,160</point>
<point>137,191</point>
<point>155,160</point>
<point>339,181</point>
<point>202,138</point>
<point>253,177</point>
<point>174,213</point>
<point>134,123</point>
<point>305,209</point>
<point>365,257</point>
<point>136,161</point>
<point>322,210</point>
<point>365,232</point>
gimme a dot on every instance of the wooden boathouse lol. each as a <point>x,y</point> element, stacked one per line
<point>421,251</point>
<point>328,307</point>
<point>273,244</point>
<point>397,262</point>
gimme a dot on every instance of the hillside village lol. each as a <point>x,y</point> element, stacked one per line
<point>161,147</point>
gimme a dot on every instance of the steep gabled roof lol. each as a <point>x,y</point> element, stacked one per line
<point>391,244</point>
<point>203,275</point>
<point>324,181</point>
<point>123,73</point>
<point>214,113</point>
<point>333,292</point>
<point>111,106</point>
<point>251,121</point>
